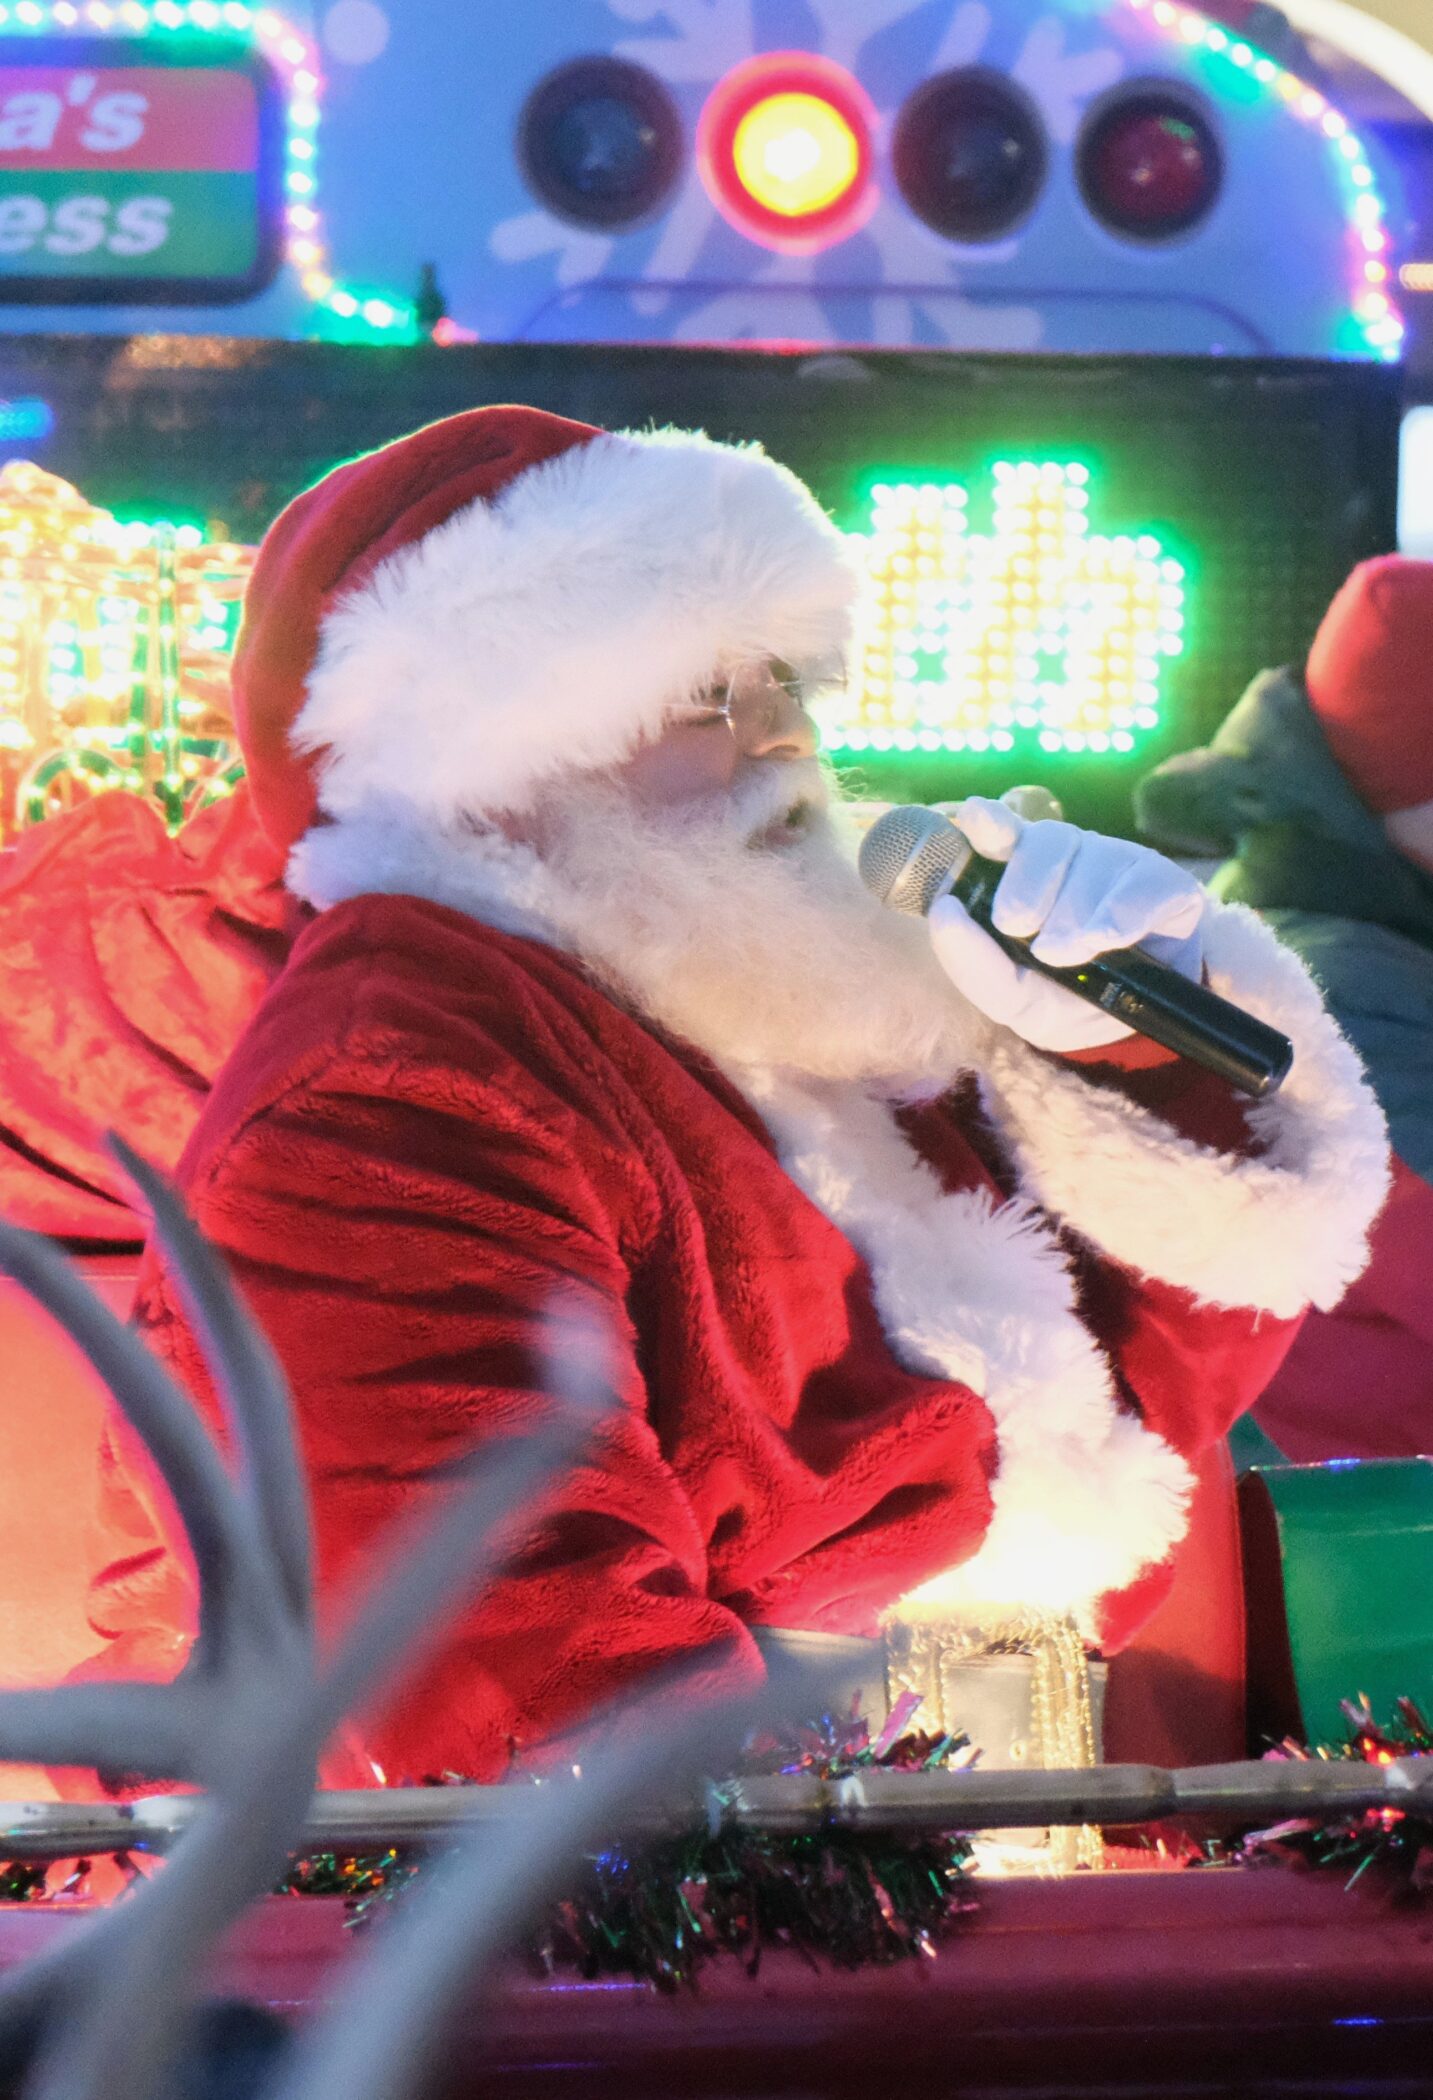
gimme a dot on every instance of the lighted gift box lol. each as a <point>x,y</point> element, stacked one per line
<point>115,640</point>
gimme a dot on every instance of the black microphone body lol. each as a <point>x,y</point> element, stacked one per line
<point>913,863</point>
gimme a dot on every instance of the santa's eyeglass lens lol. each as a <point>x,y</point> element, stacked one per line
<point>753,702</point>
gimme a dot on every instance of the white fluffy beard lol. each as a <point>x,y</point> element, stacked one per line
<point>741,925</point>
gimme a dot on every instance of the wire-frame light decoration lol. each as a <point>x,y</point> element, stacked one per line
<point>340,309</point>
<point>115,644</point>
<point>1375,326</point>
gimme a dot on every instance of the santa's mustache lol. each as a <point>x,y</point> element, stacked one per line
<point>768,792</point>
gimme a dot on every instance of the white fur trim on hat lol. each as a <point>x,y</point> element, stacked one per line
<point>550,628</point>
<point>1280,1228</point>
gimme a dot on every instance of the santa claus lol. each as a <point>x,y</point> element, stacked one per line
<point>924,1281</point>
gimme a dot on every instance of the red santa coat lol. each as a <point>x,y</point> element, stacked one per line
<point>1358,1382</point>
<point>853,1348</point>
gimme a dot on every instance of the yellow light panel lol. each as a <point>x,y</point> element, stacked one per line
<point>1040,629</point>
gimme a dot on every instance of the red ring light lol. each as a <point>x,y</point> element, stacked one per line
<point>784,148</point>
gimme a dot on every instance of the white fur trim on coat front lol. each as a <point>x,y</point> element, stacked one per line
<point>1279,1228</point>
<point>549,629</point>
<point>1085,1497</point>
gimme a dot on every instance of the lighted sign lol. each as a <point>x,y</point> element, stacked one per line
<point>130,175</point>
<point>1040,635</point>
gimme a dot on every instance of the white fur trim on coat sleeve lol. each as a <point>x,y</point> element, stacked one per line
<point>550,629</point>
<point>1084,1496</point>
<point>1281,1228</point>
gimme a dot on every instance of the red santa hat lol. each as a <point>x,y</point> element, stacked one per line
<point>1370,682</point>
<point>506,594</point>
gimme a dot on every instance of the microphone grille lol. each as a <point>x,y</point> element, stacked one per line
<point>907,856</point>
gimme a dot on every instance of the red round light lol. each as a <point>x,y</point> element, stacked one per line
<point>784,149</point>
<point>1150,167</point>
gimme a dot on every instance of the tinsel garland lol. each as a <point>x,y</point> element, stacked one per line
<point>22,1884</point>
<point>661,1912</point>
<point>846,1897</point>
<point>851,1898</point>
<point>1389,1837</point>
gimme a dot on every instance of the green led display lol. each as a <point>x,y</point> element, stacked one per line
<point>1044,634</point>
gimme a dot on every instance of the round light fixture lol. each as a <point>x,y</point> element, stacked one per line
<point>1150,165</point>
<point>969,154</point>
<point>600,142</point>
<point>784,148</point>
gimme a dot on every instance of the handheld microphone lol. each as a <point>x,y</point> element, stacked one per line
<point>911,856</point>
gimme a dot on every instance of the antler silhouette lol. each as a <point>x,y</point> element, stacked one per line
<point>250,1713</point>
<point>248,1716</point>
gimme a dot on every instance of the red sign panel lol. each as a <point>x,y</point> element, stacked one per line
<point>200,118</point>
<point>129,181</point>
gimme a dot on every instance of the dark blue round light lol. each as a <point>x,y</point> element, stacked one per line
<point>600,142</point>
<point>602,147</point>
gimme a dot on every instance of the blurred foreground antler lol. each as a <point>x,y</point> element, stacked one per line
<point>247,1718</point>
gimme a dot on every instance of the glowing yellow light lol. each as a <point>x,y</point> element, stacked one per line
<point>796,154</point>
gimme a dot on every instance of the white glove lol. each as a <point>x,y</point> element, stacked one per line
<point>1073,895</point>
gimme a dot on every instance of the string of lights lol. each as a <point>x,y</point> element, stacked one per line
<point>1375,325</point>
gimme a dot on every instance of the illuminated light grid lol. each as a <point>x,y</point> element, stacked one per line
<point>115,643</point>
<point>1039,634</point>
<point>350,310</point>
<point>1376,327</point>
<point>1416,277</point>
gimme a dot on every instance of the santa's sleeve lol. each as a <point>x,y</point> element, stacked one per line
<point>1202,1225</point>
<point>1260,1205</point>
<point>415,1242</point>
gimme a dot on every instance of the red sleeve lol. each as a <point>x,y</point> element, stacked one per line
<point>1359,1380</point>
<point>1194,1102</point>
<point>402,1235</point>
